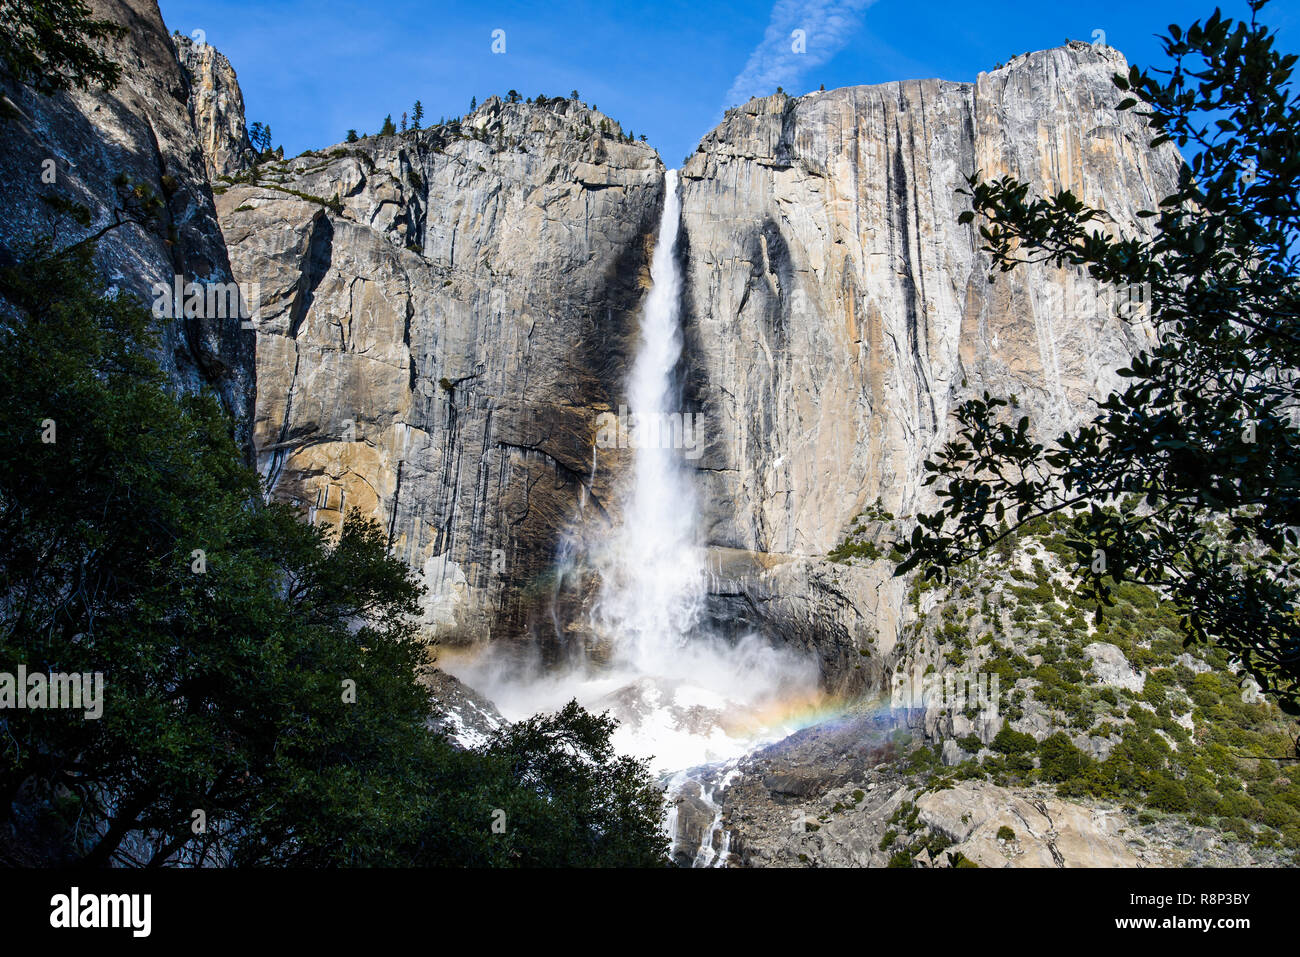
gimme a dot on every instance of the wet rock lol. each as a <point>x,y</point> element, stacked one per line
<point>693,823</point>
<point>467,718</point>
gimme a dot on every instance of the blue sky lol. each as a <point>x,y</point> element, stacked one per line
<point>312,69</point>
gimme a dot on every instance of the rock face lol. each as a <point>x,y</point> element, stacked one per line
<point>467,718</point>
<point>837,795</point>
<point>1112,668</point>
<point>445,313</point>
<point>1044,833</point>
<point>443,316</point>
<point>74,146</point>
<point>216,107</point>
<point>838,312</point>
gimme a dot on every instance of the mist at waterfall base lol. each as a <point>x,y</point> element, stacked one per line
<point>683,695</point>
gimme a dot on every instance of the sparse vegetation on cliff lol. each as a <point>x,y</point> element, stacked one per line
<point>1184,737</point>
<point>57,46</point>
<point>1203,438</point>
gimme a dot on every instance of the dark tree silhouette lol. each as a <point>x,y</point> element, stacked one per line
<point>1189,478</point>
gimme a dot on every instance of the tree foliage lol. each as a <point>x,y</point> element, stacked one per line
<point>1188,478</point>
<point>53,45</point>
<point>257,669</point>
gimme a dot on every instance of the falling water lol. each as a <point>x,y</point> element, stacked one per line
<point>686,695</point>
<point>652,585</point>
<point>680,692</point>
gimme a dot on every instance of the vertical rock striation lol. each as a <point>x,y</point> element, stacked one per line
<point>444,314</point>
<point>74,146</point>
<point>216,106</point>
<point>838,312</point>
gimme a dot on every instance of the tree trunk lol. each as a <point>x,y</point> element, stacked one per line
<point>123,824</point>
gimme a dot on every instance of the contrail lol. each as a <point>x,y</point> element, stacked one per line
<point>781,59</point>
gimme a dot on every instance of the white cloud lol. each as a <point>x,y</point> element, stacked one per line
<point>827,26</point>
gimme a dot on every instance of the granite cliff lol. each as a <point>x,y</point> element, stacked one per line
<point>443,316</point>
<point>838,312</point>
<point>446,312</point>
<point>77,145</point>
<point>216,106</point>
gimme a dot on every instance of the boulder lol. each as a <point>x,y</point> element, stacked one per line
<point>1049,832</point>
<point>1111,667</point>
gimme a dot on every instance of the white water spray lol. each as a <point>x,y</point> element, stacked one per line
<point>688,687</point>
<point>682,694</point>
<point>652,567</point>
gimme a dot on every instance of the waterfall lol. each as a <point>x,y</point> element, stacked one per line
<point>681,693</point>
<point>652,583</point>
